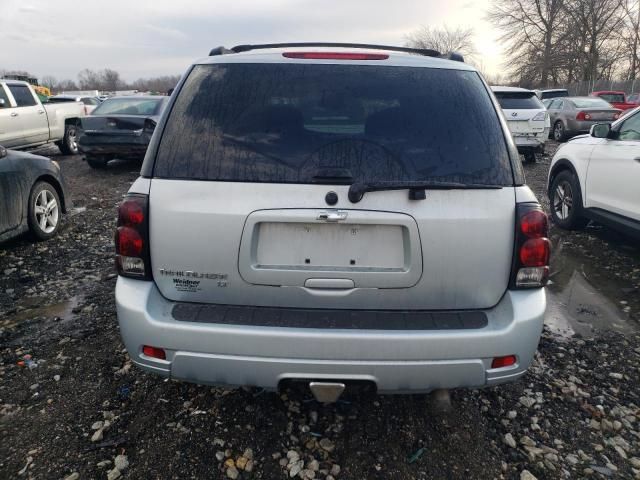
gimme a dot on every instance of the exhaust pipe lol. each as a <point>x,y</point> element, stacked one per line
<point>326,392</point>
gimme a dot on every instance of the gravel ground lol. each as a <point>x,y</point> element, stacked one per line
<point>72,406</point>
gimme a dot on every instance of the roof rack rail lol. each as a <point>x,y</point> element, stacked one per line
<point>245,48</point>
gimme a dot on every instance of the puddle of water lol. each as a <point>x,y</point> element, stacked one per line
<point>581,309</point>
<point>62,310</point>
<point>581,301</point>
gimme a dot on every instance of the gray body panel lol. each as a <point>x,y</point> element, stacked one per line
<point>454,234</point>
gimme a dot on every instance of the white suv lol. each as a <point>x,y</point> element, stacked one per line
<point>331,213</point>
<point>527,118</point>
<point>597,177</point>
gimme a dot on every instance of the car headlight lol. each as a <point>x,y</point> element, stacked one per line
<point>55,164</point>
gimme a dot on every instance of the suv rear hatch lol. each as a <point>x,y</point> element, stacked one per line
<point>525,113</point>
<point>249,200</point>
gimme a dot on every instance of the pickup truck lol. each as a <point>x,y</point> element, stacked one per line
<point>25,122</point>
<point>615,98</point>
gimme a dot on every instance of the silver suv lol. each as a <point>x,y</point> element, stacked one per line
<point>332,213</point>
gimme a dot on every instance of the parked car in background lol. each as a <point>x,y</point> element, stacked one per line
<point>634,98</point>
<point>597,177</point>
<point>527,118</point>
<point>26,122</point>
<point>575,115</point>
<point>120,127</point>
<point>33,195</point>
<point>313,213</point>
<point>616,99</point>
<point>90,103</point>
<point>552,93</point>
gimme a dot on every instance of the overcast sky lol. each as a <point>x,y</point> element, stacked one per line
<point>145,38</point>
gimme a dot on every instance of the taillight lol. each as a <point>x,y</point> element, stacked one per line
<point>502,362</point>
<point>335,56</point>
<point>540,117</point>
<point>532,248</point>
<point>583,116</point>
<point>132,238</point>
<point>616,116</point>
<point>154,352</point>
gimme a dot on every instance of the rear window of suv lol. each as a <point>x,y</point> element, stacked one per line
<point>297,123</point>
<point>519,101</point>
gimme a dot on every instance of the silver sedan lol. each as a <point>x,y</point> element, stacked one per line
<point>571,116</point>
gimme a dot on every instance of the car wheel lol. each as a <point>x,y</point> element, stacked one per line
<point>559,134</point>
<point>45,211</point>
<point>530,157</point>
<point>566,201</point>
<point>96,162</point>
<point>69,144</point>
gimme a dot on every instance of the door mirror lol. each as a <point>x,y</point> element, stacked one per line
<point>3,152</point>
<point>600,130</point>
<point>2,103</point>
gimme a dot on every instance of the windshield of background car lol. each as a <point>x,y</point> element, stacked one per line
<point>612,97</point>
<point>555,94</point>
<point>590,103</point>
<point>519,100</point>
<point>289,123</point>
<point>130,106</point>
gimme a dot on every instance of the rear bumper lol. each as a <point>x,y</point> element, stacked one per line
<point>125,147</point>
<point>395,360</point>
<point>531,143</point>
<point>577,127</point>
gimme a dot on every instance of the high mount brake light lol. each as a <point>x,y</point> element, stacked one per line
<point>335,56</point>
<point>530,267</point>
<point>132,238</point>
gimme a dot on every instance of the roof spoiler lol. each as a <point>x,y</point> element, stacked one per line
<point>417,51</point>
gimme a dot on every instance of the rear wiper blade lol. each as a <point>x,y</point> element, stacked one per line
<point>416,188</point>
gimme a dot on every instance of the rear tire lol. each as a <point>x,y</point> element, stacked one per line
<point>565,200</point>
<point>559,132</point>
<point>45,211</point>
<point>96,162</point>
<point>530,157</point>
<point>69,145</point>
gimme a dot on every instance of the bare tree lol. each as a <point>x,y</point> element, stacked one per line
<point>531,30</point>
<point>88,80</point>
<point>110,80</point>
<point>631,37</point>
<point>596,24</point>
<point>49,81</point>
<point>66,85</point>
<point>444,40</point>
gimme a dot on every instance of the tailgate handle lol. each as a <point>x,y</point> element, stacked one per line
<point>332,216</point>
<point>330,283</point>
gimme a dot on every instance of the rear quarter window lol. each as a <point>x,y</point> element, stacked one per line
<point>288,123</point>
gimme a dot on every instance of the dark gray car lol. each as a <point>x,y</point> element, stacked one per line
<point>571,116</point>
<point>33,195</point>
<point>120,127</point>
